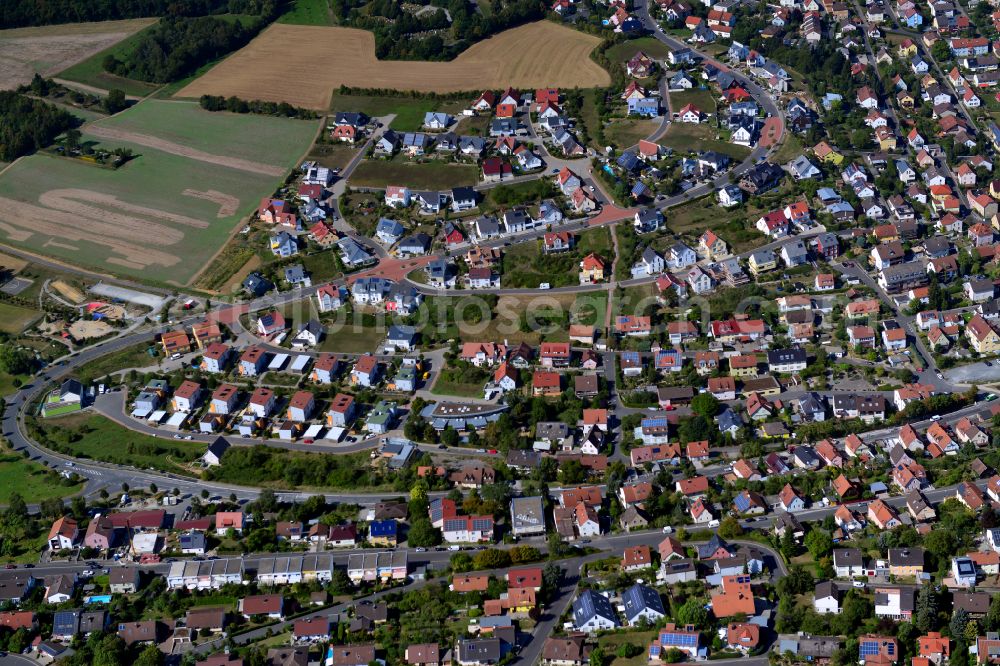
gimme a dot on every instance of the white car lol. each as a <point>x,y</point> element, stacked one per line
<point>667,529</point>
<point>936,417</point>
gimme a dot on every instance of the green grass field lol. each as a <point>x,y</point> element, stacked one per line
<point>163,215</point>
<point>590,309</point>
<point>136,356</point>
<point>31,481</point>
<point>454,383</point>
<point>693,218</point>
<point>92,436</point>
<point>688,137</point>
<point>265,139</point>
<point>625,132</point>
<point>703,99</point>
<point>427,176</point>
<point>409,111</point>
<point>651,46</point>
<point>90,72</point>
<point>525,265</point>
<point>14,318</point>
<point>352,340</point>
<point>307,12</point>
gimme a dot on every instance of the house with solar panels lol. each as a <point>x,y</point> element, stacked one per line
<point>878,649</point>
<point>685,639</point>
<point>593,612</point>
<point>653,431</point>
<point>467,529</point>
<point>642,603</point>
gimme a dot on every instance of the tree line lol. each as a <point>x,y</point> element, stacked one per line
<point>19,13</point>
<point>29,124</point>
<point>177,46</point>
<point>398,37</point>
<point>255,106</point>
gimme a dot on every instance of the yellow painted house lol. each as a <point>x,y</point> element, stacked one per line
<point>762,261</point>
<point>983,338</point>
<point>824,152</point>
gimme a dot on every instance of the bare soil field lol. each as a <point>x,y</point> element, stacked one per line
<point>50,49</point>
<point>533,55</point>
<point>84,329</point>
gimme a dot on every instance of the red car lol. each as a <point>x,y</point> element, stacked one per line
<point>307,441</point>
<point>492,452</point>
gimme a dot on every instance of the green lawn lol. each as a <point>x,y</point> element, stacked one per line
<point>464,384</point>
<point>31,481</point>
<point>692,219</point>
<point>320,266</point>
<point>90,72</point>
<point>791,147</point>
<point>651,46</point>
<point>332,155</point>
<point>688,137</point>
<point>610,643</point>
<point>525,265</point>
<point>14,318</point>
<point>409,111</point>
<point>590,309</point>
<point>307,12</point>
<point>352,340</point>
<point>638,300</point>
<point>135,356</point>
<point>426,176</point>
<point>92,436</point>
<point>703,99</point>
<point>626,132</point>
<point>176,208</point>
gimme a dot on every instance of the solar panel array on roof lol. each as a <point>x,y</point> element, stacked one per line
<point>659,422</point>
<point>678,639</point>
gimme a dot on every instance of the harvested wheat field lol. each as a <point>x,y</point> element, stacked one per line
<point>49,49</point>
<point>530,56</point>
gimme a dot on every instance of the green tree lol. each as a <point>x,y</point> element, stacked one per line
<point>151,656</point>
<point>819,543</point>
<point>423,534</point>
<point>692,612</point>
<point>730,528</point>
<point>959,620</point>
<point>705,404</point>
<point>925,618</point>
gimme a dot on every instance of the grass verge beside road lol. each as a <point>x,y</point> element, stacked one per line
<point>135,356</point>
<point>87,435</point>
<point>33,482</point>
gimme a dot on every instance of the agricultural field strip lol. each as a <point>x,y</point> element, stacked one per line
<point>532,55</point>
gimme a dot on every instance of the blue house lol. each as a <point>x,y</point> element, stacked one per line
<point>914,20</point>
<point>647,108</point>
<point>284,244</point>
<point>383,532</point>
